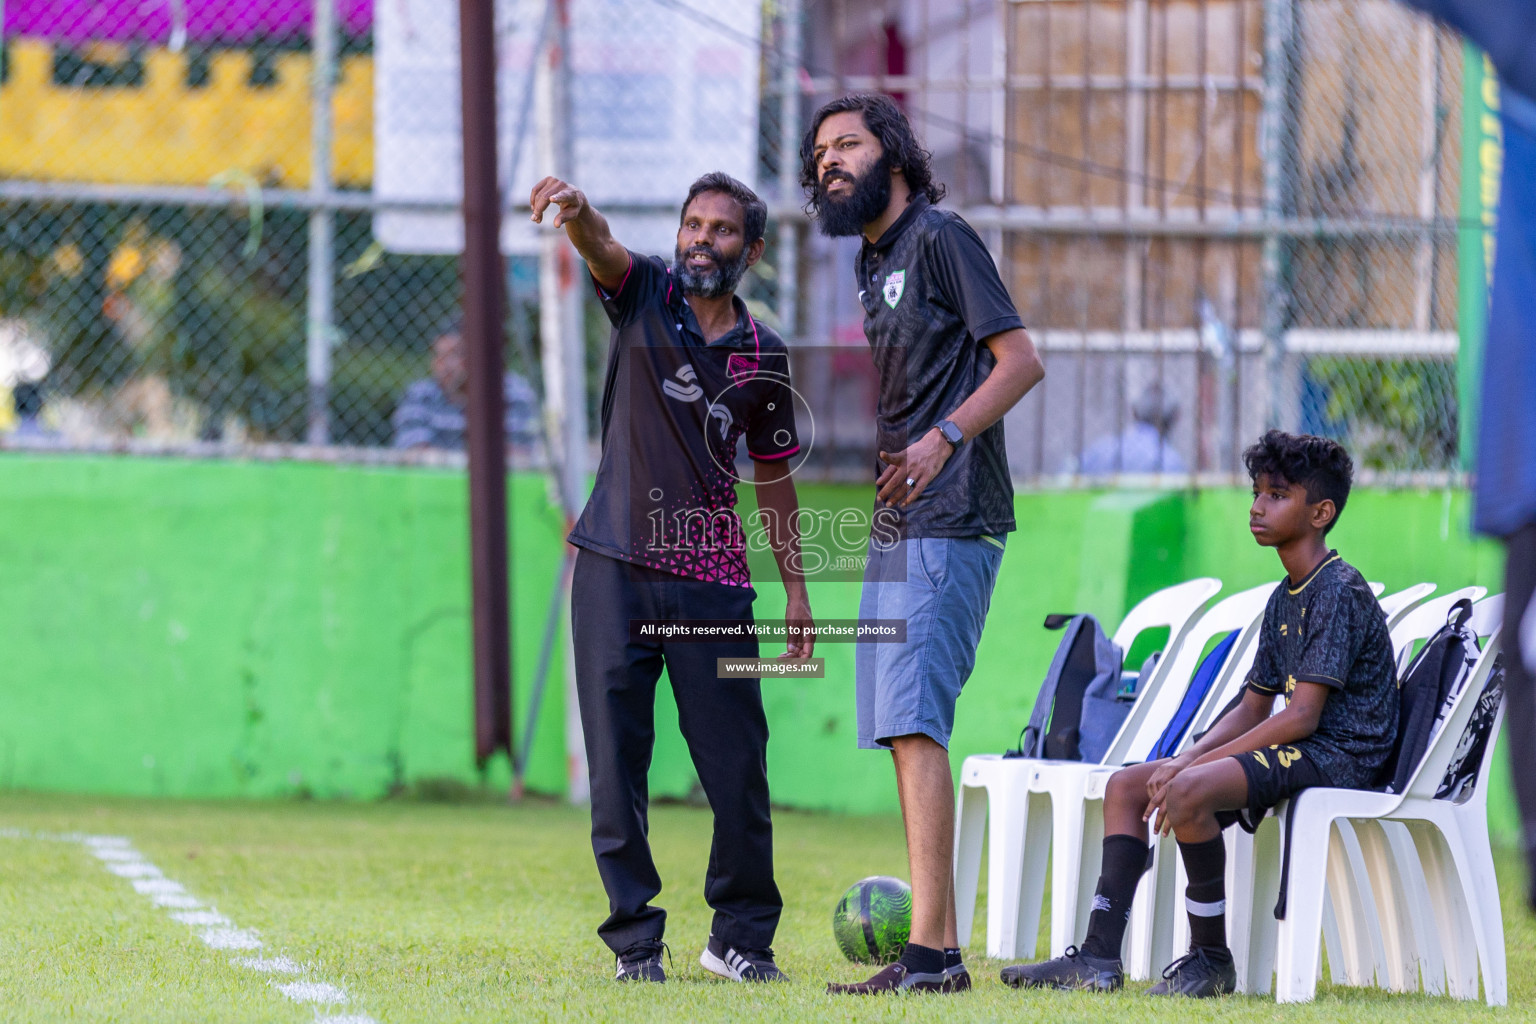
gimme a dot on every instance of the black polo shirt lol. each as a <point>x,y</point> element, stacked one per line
<point>673,411</point>
<point>931,294</point>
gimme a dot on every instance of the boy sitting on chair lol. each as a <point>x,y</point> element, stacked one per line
<point>1324,646</point>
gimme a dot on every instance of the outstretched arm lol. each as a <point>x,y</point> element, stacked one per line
<point>585,227</point>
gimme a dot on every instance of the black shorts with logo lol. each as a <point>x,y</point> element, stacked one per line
<point>1273,773</point>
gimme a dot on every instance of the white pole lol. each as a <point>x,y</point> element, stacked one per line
<point>319,331</point>
<point>789,168</point>
<point>1276,148</point>
<point>564,357</point>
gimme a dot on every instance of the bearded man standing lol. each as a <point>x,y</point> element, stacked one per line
<point>952,356</point>
<point>689,373</point>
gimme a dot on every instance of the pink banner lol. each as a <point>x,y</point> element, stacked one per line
<point>153,21</point>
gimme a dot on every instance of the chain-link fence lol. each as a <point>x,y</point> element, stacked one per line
<point>233,220</point>
<point>1215,215</point>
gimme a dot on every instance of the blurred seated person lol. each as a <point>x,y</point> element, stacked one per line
<point>28,425</point>
<point>431,414</point>
<point>1143,447</point>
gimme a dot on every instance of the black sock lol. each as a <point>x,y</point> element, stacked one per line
<point>1126,859</point>
<point>922,959</point>
<point>951,958</point>
<point>1206,897</point>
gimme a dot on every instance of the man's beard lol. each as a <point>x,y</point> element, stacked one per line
<point>717,281</point>
<point>844,215</point>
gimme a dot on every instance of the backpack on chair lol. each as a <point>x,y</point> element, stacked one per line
<point>1434,676</point>
<point>1082,702</point>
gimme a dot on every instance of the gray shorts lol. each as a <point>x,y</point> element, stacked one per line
<point>941,587</point>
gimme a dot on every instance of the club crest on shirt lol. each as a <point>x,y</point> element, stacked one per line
<point>895,284</point>
<point>739,366</point>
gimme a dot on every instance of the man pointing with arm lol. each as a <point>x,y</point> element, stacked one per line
<point>689,373</point>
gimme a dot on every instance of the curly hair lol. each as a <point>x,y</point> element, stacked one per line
<point>754,212</point>
<point>1318,465</point>
<point>890,126</point>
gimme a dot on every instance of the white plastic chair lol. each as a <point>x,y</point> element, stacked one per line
<point>1076,833</point>
<point>1352,951</point>
<point>1153,938</point>
<point>1422,622</point>
<point>1451,843</point>
<point>999,788</point>
<point>1395,606</point>
<point>1077,825</point>
<point>1352,847</point>
<point>1077,796</point>
<point>1408,941</point>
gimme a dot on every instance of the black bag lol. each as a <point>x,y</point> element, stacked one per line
<point>1436,674</point>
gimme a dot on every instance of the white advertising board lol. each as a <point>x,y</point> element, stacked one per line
<point>661,92</point>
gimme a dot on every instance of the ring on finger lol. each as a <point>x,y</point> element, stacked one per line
<point>911,482</point>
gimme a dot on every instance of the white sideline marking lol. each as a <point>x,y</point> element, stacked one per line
<point>120,858</point>
<point>231,938</point>
<point>134,869</point>
<point>268,965</point>
<point>177,901</point>
<point>313,992</point>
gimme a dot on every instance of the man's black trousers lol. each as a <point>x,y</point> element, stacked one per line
<point>722,721</point>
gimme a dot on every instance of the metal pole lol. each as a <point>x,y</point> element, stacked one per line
<point>481,270</point>
<point>564,352</point>
<point>789,168</point>
<point>319,330</point>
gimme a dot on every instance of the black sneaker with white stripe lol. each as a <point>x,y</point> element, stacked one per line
<point>641,961</point>
<point>740,964</point>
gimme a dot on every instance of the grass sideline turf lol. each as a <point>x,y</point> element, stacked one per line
<point>478,912</point>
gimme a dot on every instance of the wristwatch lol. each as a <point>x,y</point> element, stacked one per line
<point>952,434</point>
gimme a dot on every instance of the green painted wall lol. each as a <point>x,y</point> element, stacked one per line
<point>217,628</point>
<point>224,628</point>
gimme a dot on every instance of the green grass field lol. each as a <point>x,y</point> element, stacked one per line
<point>479,912</point>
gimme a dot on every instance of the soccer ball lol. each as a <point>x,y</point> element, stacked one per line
<point>873,920</point>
